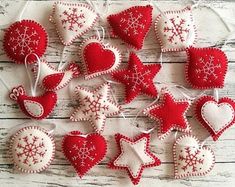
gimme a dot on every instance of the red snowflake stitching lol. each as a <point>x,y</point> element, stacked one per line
<point>30,150</point>
<point>191,159</point>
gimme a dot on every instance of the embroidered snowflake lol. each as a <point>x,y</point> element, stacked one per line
<point>176,30</point>
<point>95,105</point>
<point>138,78</point>
<point>133,23</point>
<point>73,19</point>
<point>208,69</point>
<point>191,160</point>
<point>30,149</point>
<point>83,153</point>
<point>24,40</point>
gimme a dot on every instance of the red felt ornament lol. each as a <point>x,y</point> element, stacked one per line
<point>215,116</point>
<point>132,25</point>
<point>138,78</point>
<point>23,38</point>
<point>206,67</point>
<point>84,151</point>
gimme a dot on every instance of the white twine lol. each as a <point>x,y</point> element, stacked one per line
<point>101,13</point>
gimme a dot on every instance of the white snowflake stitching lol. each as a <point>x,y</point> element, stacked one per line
<point>83,153</point>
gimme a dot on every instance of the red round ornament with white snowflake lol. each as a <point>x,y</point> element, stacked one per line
<point>32,149</point>
<point>23,38</point>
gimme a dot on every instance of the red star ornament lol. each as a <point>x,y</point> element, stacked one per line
<point>170,114</point>
<point>138,78</point>
<point>132,25</point>
<point>95,106</point>
<point>134,156</point>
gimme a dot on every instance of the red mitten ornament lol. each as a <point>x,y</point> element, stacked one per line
<point>215,116</point>
<point>170,115</point>
<point>206,67</point>
<point>52,79</point>
<point>23,38</point>
<point>95,106</point>
<point>72,20</point>
<point>138,78</point>
<point>35,107</point>
<point>107,58</point>
<point>175,30</point>
<point>32,149</point>
<point>134,156</point>
<point>191,158</point>
<point>132,25</point>
<point>84,152</point>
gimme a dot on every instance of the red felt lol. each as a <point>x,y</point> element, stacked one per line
<point>144,82</point>
<point>200,102</point>
<point>25,37</point>
<point>132,25</point>
<point>206,67</point>
<point>94,146</point>
<point>50,82</point>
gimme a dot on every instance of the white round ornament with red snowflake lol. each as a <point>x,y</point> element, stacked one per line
<point>32,149</point>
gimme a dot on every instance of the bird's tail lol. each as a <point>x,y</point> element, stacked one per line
<point>75,69</point>
<point>16,92</point>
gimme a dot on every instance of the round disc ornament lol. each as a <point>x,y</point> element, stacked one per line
<point>25,37</point>
<point>33,149</point>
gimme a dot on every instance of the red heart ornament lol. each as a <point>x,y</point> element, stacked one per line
<point>82,151</point>
<point>216,117</point>
<point>206,67</point>
<point>132,25</point>
<point>106,59</point>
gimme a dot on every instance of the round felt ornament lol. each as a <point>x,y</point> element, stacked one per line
<point>32,149</point>
<point>23,38</point>
<point>107,58</point>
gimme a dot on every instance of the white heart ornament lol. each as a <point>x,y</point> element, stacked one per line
<point>217,116</point>
<point>72,20</point>
<point>191,158</point>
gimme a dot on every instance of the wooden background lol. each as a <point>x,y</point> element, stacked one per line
<point>211,32</point>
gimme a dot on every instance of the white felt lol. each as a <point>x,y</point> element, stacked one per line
<point>35,109</point>
<point>134,156</point>
<point>217,116</point>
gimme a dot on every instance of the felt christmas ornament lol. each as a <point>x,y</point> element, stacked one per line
<point>84,151</point>
<point>215,116</point>
<point>107,58</point>
<point>206,67</point>
<point>52,79</point>
<point>38,107</point>
<point>95,106</point>
<point>170,114</point>
<point>72,20</point>
<point>191,158</point>
<point>175,30</point>
<point>138,78</point>
<point>32,149</point>
<point>23,38</point>
<point>132,25</point>
<point>134,155</point>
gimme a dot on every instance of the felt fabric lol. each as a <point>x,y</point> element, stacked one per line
<point>38,107</point>
<point>132,25</point>
<point>206,67</point>
<point>84,151</point>
<point>137,78</point>
<point>191,158</point>
<point>134,156</point>
<point>23,38</point>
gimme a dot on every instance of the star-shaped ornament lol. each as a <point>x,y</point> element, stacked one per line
<point>134,155</point>
<point>138,78</point>
<point>95,106</point>
<point>170,114</point>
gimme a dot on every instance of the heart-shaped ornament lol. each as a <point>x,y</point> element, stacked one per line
<point>72,20</point>
<point>84,151</point>
<point>216,117</point>
<point>206,67</point>
<point>107,58</point>
<point>191,158</point>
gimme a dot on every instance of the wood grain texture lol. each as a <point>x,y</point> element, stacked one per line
<point>211,32</point>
